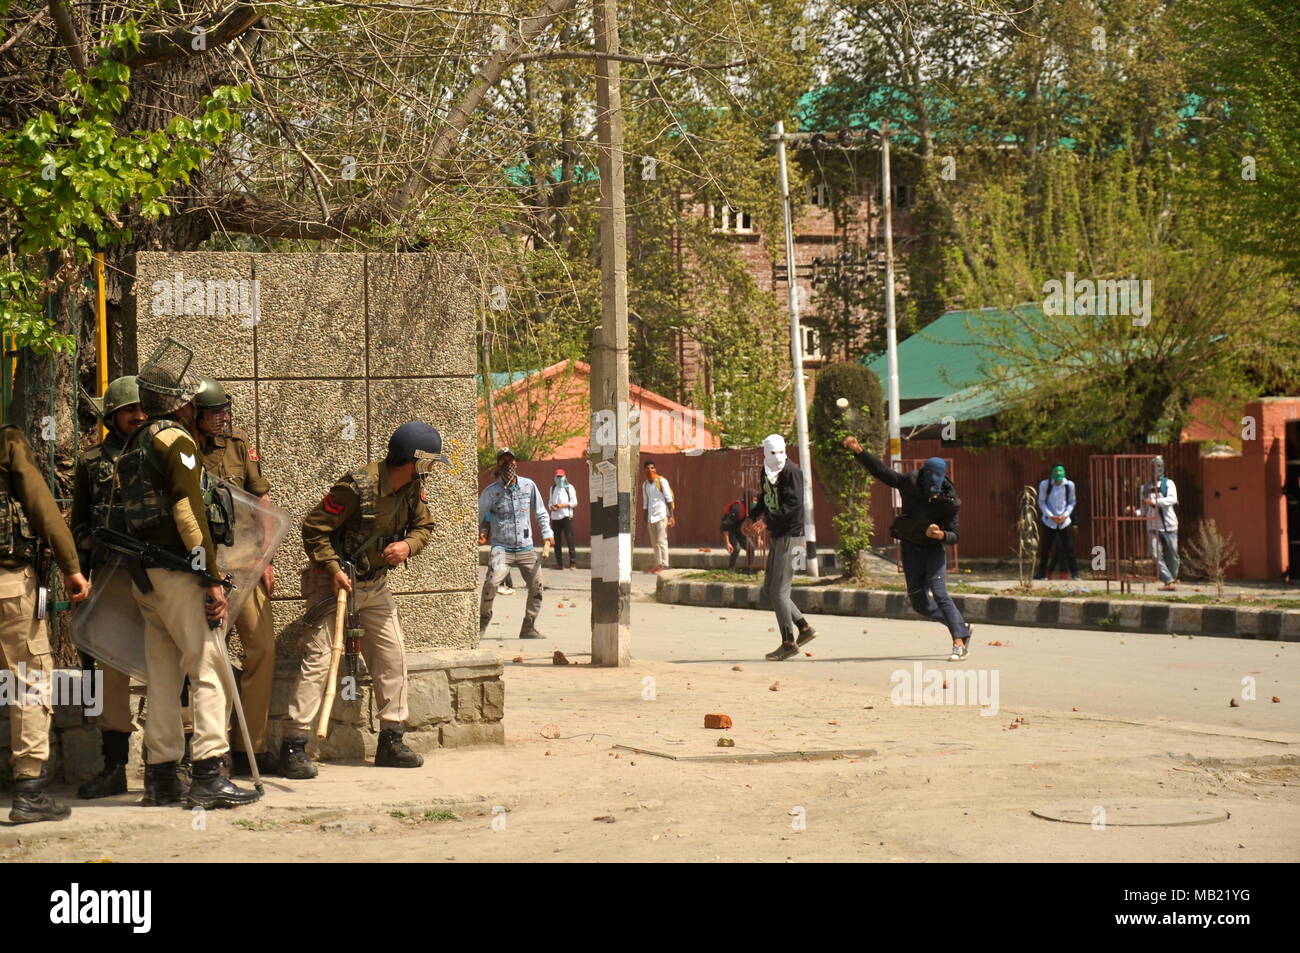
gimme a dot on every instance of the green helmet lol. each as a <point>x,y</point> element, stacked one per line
<point>165,380</point>
<point>211,396</point>
<point>120,393</point>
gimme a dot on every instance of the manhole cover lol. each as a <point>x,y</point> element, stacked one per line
<point>1133,813</point>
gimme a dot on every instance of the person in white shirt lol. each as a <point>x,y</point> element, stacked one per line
<point>1056,499</point>
<point>563,499</point>
<point>1159,497</point>
<point>658,503</point>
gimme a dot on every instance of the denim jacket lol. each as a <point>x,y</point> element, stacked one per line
<point>504,511</point>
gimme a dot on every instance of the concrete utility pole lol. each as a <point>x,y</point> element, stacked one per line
<point>796,358</point>
<point>611,456</point>
<point>891,327</point>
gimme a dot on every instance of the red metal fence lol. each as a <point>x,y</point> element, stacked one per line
<point>987,481</point>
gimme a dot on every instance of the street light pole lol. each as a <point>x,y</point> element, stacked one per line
<point>796,356</point>
<point>891,327</point>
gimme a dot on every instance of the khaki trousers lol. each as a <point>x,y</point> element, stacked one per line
<point>116,715</point>
<point>257,633</point>
<point>381,647</point>
<point>24,642</point>
<point>178,642</point>
<point>659,540</point>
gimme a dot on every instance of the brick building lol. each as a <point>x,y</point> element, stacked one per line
<point>838,231</point>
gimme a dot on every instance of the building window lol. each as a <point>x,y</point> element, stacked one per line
<point>819,195</point>
<point>812,343</point>
<point>730,220</point>
<point>903,196</point>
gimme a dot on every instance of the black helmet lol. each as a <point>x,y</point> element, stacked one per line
<point>415,441</point>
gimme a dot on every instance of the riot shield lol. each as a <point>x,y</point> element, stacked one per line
<point>109,624</point>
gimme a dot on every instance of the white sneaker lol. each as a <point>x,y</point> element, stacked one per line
<point>505,591</point>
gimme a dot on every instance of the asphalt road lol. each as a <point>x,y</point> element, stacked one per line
<point>1181,680</point>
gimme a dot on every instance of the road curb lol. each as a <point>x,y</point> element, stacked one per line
<point>1282,625</point>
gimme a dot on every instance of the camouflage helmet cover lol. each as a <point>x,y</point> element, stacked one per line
<point>165,380</point>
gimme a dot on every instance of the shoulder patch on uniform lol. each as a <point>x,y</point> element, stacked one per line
<point>423,498</point>
<point>252,453</point>
<point>188,460</point>
<point>331,505</point>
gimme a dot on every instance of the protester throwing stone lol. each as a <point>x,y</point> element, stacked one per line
<point>927,523</point>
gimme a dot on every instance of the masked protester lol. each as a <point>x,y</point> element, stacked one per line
<point>1159,499</point>
<point>733,517</point>
<point>505,510</point>
<point>780,510</point>
<point>373,519</point>
<point>92,498</point>
<point>927,523</point>
<point>1056,499</point>
<point>563,500</point>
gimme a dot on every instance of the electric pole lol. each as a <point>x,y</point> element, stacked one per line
<point>611,456</point>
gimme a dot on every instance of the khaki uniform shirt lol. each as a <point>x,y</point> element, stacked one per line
<point>235,461</point>
<point>403,513</point>
<point>28,485</point>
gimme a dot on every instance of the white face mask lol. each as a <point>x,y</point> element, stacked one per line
<point>773,456</point>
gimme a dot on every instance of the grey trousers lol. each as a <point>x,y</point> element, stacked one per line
<point>777,580</point>
<point>499,563</point>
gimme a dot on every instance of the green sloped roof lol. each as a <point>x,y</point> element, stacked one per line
<point>946,355</point>
<point>972,403</point>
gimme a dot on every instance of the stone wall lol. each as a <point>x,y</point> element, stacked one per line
<point>341,350</point>
<point>338,350</point>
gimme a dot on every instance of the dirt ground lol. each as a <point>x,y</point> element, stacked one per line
<point>927,784</point>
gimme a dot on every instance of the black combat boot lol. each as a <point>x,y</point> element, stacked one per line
<point>32,804</point>
<point>209,789</point>
<point>185,770</point>
<point>806,633</point>
<point>162,785</point>
<point>294,762</point>
<point>393,753</point>
<point>112,780</point>
<point>530,632</point>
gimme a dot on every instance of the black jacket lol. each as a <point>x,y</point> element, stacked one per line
<point>919,510</point>
<point>786,517</point>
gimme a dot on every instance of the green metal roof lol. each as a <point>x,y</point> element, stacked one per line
<point>947,355</point>
<point>972,403</point>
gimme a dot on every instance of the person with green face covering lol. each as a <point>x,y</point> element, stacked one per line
<point>1056,498</point>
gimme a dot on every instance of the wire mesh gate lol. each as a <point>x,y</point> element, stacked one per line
<point>1121,548</point>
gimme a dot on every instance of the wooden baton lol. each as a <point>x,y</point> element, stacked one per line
<point>336,654</point>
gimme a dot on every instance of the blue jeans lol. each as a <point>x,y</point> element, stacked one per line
<point>926,570</point>
<point>1164,550</point>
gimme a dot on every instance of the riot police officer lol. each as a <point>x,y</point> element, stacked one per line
<point>375,518</point>
<point>28,515</point>
<point>229,454</point>
<point>91,499</point>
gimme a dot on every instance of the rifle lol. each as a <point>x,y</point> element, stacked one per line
<point>354,631</point>
<point>151,554</point>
